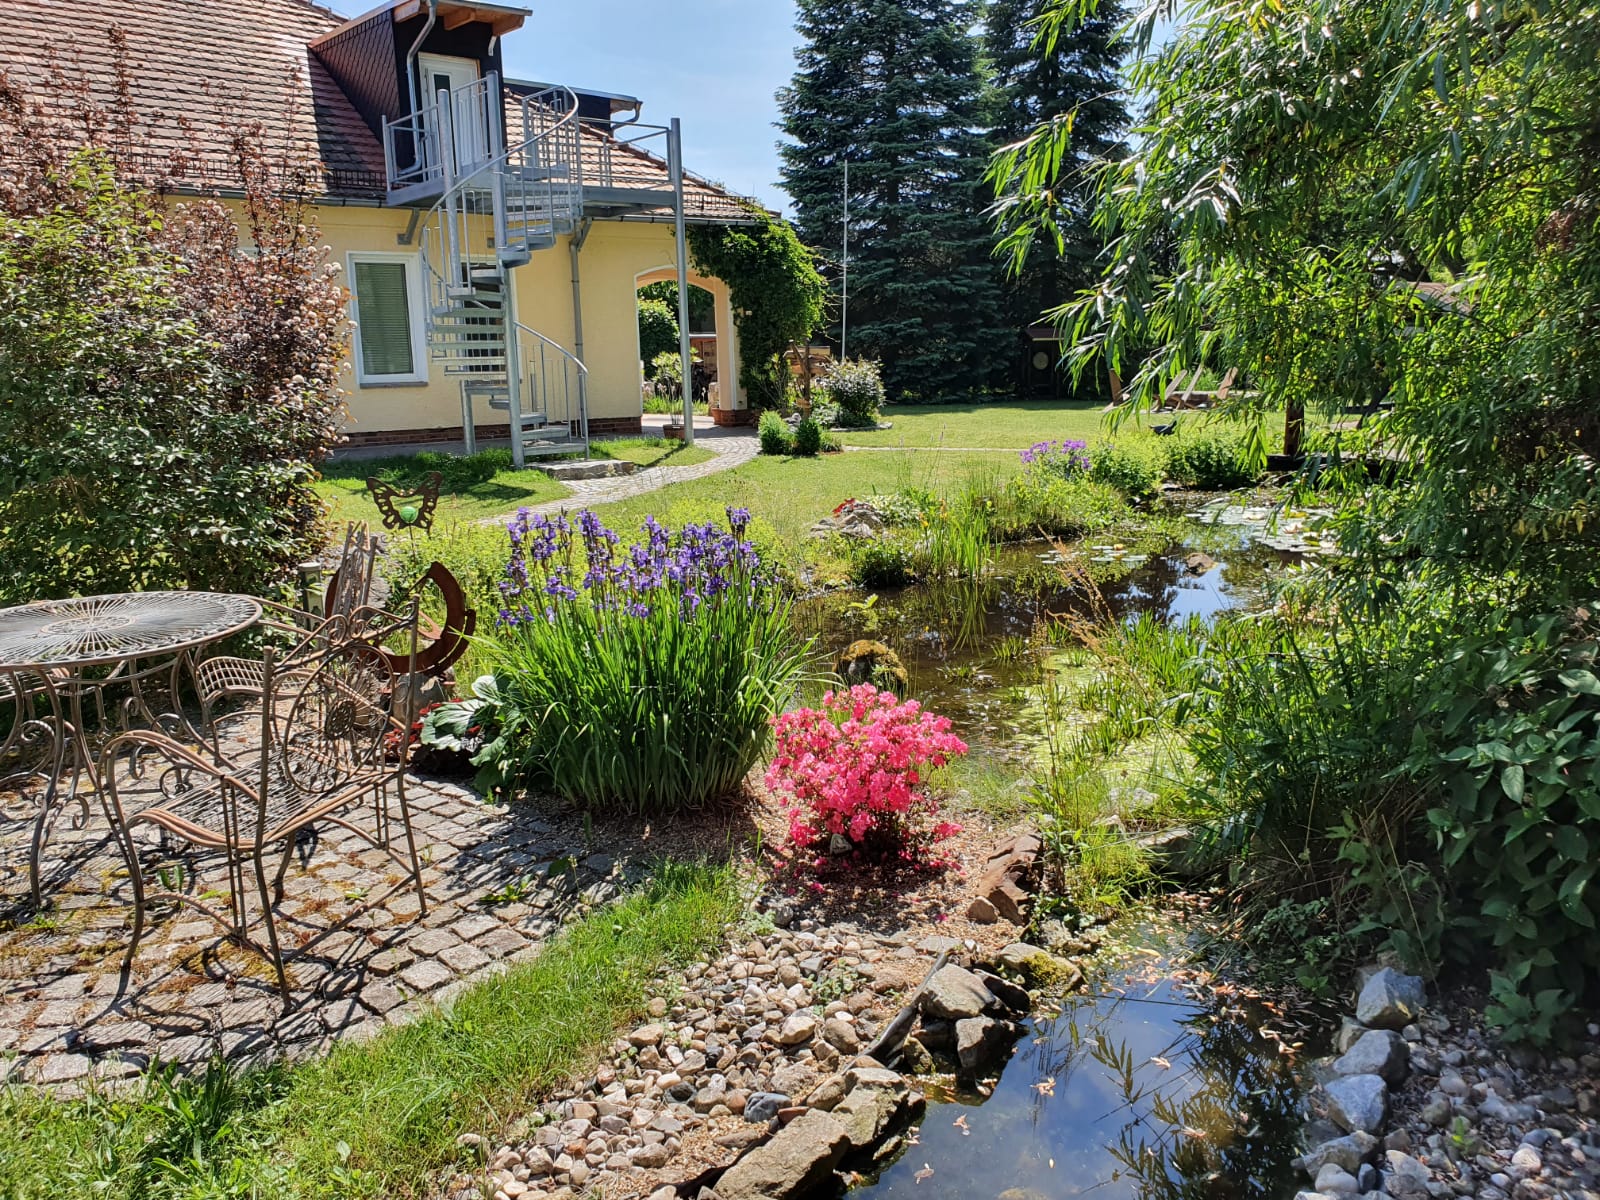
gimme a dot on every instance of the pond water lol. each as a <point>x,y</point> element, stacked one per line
<point>974,648</point>
<point>1143,1088</point>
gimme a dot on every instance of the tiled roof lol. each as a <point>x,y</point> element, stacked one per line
<point>197,68</point>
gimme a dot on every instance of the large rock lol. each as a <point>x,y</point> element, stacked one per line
<point>796,1162</point>
<point>1015,998</point>
<point>1358,1102</point>
<point>1173,853</point>
<point>1038,965</point>
<point>1390,1000</point>
<point>980,1040</point>
<point>954,993</point>
<point>1377,1052</point>
<point>801,1027</point>
<point>1404,1176</point>
<point>1348,1152</point>
<point>877,1099</point>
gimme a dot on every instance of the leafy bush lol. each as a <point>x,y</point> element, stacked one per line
<point>856,388</point>
<point>658,334</point>
<point>164,397</point>
<point>774,434</point>
<point>639,678</point>
<point>1133,468</point>
<point>880,564</point>
<point>852,772</point>
<point>1213,458</point>
<point>807,438</point>
<point>666,368</point>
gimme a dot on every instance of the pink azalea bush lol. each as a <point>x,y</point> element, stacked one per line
<point>855,767</point>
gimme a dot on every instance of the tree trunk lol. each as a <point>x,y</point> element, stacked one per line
<point>1294,430</point>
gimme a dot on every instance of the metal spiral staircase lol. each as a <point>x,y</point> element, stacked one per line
<point>497,205</point>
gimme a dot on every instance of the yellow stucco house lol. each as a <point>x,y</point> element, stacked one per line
<point>493,232</point>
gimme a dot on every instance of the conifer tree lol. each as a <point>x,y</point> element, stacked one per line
<point>1076,83</point>
<point>894,86</point>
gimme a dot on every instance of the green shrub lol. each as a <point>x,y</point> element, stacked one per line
<point>164,397</point>
<point>880,564</point>
<point>807,438</point>
<point>641,679</point>
<point>1213,457</point>
<point>1133,468</point>
<point>855,388</point>
<point>459,472</point>
<point>774,434</point>
<point>658,334</point>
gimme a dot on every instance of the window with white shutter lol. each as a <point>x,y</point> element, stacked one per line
<point>388,315</point>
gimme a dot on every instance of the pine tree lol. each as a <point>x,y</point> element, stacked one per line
<point>894,86</point>
<point>1078,81</point>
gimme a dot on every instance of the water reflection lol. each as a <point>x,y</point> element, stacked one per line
<point>1142,1092</point>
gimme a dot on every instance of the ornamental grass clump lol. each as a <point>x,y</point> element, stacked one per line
<point>853,774</point>
<point>639,677</point>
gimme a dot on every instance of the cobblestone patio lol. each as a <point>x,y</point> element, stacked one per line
<point>499,882</point>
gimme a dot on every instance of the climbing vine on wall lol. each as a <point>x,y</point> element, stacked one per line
<point>777,294</point>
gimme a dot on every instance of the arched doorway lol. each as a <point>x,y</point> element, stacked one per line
<point>712,340</point>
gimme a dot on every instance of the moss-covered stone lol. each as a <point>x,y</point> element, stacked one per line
<point>866,661</point>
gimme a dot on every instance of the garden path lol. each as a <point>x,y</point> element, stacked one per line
<point>500,881</point>
<point>732,445</point>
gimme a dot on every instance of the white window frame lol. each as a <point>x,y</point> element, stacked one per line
<point>414,301</point>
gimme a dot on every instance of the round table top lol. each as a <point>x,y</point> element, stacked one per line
<point>90,630</point>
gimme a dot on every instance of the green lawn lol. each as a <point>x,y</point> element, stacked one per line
<point>788,495</point>
<point>651,452</point>
<point>378,1118</point>
<point>344,486</point>
<point>1013,424</point>
<point>503,490</point>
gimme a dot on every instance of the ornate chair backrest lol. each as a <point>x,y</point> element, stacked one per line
<point>332,722</point>
<point>350,589</point>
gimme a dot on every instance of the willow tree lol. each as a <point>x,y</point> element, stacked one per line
<point>1386,210</point>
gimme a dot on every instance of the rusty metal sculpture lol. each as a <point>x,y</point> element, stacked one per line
<point>402,509</point>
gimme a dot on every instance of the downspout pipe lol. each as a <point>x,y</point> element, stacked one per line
<point>411,65</point>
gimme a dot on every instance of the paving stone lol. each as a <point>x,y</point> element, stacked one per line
<point>426,975</point>
<point>501,942</point>
<point>432,941</point>
<point>464,959</point>
<point>381,997</point>
<point>474,926</point>
<point>61,1068</point>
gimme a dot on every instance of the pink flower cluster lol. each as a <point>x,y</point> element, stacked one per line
<point>853,768</point>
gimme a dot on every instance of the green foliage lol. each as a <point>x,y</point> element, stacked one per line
<point>658,335</point>
<point>702,304</point>
<point>159,430</point>
<point>1041,503</point>
<point>666,368</point>
<point>777,295</point>
<point>650,690</point>
<point>1135,467</point>
<point>1213,457</point>
<point>882,563</point>
<point>807,438</point>
<point>458,472</point>
<point>773,432</point>
<point>855,388</point>
<point>895,91</point>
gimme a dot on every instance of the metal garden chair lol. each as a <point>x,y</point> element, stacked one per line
<point>322,754</point>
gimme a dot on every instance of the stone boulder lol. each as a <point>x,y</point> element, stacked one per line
<point>1358,1102</point>
<point>1377,1052</point>
<point>798,1161</point>
<point>1390,1000</point>
<point>1015,998</point>
<point>867,661</point>
<point>980,1041</point>
<point>1348,1152</point>
<point>954,993</point>
<point>877,1100</point>
<point>1037,965</point>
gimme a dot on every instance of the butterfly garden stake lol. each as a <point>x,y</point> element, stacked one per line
<point>409,510</point>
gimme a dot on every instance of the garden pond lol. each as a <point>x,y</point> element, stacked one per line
<point>1157,1082</point>
<point>976,649</point>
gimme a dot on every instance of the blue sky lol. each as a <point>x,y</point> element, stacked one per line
<point>714,63</point>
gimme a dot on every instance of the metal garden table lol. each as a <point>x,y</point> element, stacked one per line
<point>74,672</point>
